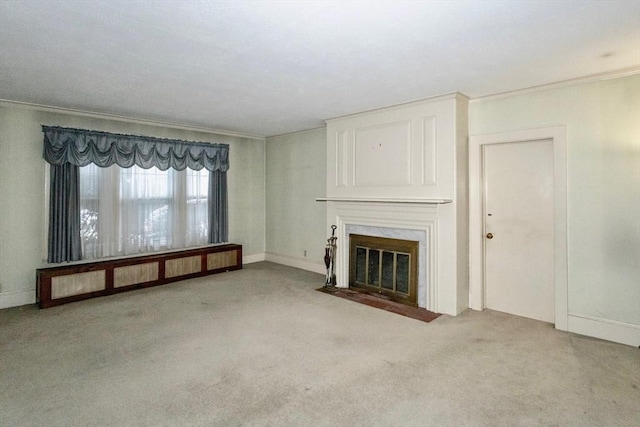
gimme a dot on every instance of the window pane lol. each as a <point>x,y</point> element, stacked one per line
<point>89,189</point>
<point>197,183</point>
<point>197,223</point>
<point>148,183</point>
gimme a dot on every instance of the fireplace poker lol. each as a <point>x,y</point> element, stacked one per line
<point>330,258</point>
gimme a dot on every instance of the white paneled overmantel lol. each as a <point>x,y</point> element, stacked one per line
<point>405,151</point>
<point>403,170</point>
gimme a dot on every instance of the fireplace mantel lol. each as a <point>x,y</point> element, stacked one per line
<point>385,200</point>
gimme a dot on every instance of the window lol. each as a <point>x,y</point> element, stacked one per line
<point>133,210</point>
<point>123,203</point>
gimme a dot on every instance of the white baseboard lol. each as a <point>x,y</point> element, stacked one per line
<point>301,263</point>
<point>249,259</point>
<point>17,298</point>
<point>610,330</point>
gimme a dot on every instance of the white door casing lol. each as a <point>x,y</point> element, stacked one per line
<point>556,134</point>
<point>518,228</point>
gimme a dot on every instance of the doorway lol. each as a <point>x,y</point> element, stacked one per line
<point>516,264</point>
<point>518,228</point>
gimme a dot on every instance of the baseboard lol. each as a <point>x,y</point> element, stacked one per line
<point>610,330</point>
<point>17,298</point>
<point>250,259</point>
<point>300,263</point>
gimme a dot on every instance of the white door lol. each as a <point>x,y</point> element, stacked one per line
<point>518,228</point>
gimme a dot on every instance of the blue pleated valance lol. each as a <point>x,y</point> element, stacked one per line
<point>81,147</point>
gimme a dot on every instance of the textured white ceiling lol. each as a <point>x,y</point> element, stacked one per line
<point>267,68</point>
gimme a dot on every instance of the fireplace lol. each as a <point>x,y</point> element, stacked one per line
<point>372,223</point>
<point>401,172</point>
<point>384,266</point>
<point>425,223</point>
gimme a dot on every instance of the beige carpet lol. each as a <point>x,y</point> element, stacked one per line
<point>261,347</point>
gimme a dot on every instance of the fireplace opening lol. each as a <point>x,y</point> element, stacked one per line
<point>384,266</point>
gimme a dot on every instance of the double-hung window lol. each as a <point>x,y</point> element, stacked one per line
<point>133,210</point>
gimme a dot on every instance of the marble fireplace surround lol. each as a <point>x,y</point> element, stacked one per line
<point>417,222</point>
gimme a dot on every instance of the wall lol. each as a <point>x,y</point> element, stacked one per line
<point>295,222</point>
<point>22,192</point>
<point>603,150</point>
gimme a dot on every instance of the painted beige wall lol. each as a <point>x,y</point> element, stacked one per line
<point>22,193</point>
<point>296,170</point>
<point>603,148</point>
<point>603,179</point>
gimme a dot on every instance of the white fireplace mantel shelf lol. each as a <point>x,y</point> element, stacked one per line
<point>384,200</point>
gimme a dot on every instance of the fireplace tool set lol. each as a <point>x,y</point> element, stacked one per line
<point>330,258</point>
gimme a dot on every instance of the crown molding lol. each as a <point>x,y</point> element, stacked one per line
<point>105,116</point>
<point>115,117</point>
<point>556,85</point>
<point>297,132</point>
<point>454,95</point>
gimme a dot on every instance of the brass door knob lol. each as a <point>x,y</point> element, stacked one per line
<point>489,236</point>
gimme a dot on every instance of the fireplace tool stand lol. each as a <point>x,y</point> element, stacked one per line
<point>330,258</point>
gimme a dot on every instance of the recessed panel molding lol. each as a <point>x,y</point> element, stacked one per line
<point>429,151</point>
<point>382,155</point>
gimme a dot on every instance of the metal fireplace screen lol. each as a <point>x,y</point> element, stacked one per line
<point>385,266</point>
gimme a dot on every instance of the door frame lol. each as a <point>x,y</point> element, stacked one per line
<point>558,134</point>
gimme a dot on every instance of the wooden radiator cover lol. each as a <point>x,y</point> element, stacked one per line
<point>67,283</point>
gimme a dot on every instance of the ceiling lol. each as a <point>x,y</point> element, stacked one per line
<point>266,68</point>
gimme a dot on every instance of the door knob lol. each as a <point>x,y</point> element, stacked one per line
<point>489,236</point>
